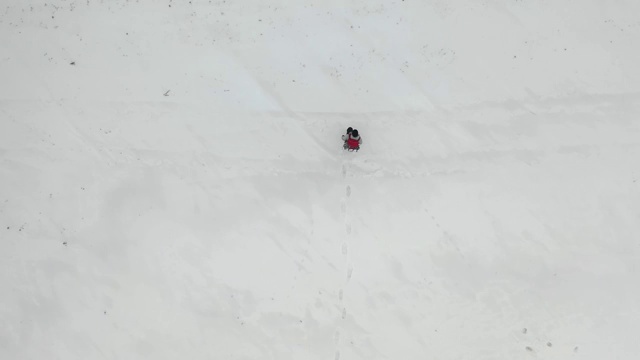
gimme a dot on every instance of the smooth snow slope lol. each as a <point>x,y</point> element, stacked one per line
<point>494,212</point>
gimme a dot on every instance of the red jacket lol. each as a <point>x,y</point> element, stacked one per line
<point>352,142</point>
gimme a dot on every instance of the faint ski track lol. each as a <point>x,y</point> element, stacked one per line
<point>344,249</point>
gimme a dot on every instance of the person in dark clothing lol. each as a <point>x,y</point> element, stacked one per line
<point>352,139</point>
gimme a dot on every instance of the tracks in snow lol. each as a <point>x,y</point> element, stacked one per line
<point>344,208</point>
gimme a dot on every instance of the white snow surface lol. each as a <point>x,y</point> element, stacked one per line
<point>172,183</point>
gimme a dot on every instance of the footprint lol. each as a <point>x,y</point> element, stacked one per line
<point>349,273</point>
<point>343,207</point>
<point>344,170</point>
<point>345,248</point>
<point>341,294</point>
<point>337,357</point>
<point>348,228</point>
<point>348,190</point>
<point>336,337</point>
<point>433,218</point>
<point>344,313</point>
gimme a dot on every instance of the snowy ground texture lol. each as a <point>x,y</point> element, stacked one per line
<point>172,184</point>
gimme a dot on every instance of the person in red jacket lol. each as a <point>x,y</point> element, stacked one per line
<point>352,140</point>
